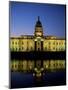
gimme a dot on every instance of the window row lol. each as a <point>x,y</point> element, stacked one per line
<point>31,66</point>
<point>46,48</point>
<point>54,43</point>
<point>22,48</point>
<point>57,43</point>
<point>17,42</point>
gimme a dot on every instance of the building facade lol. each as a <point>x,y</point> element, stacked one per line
<point>37,42</point>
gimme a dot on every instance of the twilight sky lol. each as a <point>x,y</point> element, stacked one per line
<point>23,17</point>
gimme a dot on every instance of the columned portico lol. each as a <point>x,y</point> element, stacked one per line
<point>38,44</point>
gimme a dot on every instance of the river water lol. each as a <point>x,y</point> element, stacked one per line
<point>22,80</point>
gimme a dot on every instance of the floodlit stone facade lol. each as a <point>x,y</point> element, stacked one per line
<point>37,42</point>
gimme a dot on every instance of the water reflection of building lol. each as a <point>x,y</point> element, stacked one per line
<point>37,42</point>
<point>28,65</point>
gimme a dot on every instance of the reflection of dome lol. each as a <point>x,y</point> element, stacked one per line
<point>38,23</point>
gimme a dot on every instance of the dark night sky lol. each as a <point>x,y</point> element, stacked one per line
<point>23,17</point>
